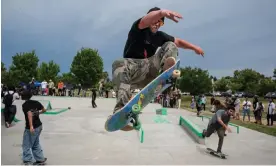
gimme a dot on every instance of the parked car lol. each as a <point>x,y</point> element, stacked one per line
<point>209,94</point>
<point>226,94</point>
<point>239,94</point>
<point>270,95</point>
<point>248,95</point>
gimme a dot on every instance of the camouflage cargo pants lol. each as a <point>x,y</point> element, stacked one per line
<point>129,74</point>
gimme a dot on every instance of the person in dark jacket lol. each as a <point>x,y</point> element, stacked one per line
<point>94,96</point>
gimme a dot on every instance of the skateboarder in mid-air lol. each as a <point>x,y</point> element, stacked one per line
<point>143,61</point>
<point>219,123</point>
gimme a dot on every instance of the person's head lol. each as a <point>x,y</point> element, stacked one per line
<point>260,103</point>
<point>26,95</point>
<point>218,105</point>
<point>270,99</point>
<point>155,26</point>
<point>230,110</point>
<point>11,88</point>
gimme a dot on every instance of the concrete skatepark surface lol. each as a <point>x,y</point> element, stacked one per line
<point>78,137</point>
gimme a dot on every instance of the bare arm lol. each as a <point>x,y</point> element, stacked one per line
<point>221,122</point>
<point>42,111</point>
<point>150,18</point>
<point>30,117</point>
<point>183,44</point>
<point>186,45</point>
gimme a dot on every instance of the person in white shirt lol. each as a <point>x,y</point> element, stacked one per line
<point>44,86</point>
<point>237,108</point>
<point>246,108</point>
<point>203,100</point>
<point>270,111</point>
<point>51,88</point>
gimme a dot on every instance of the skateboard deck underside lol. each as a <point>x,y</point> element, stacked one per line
<point>143,98</point>
<point>213,152</point>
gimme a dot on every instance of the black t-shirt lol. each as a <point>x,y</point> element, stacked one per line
<point>34,106</point>
<point>142,43</point>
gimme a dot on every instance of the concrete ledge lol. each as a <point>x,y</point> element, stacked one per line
<point>55,111</point>
<point>192,129</point>
<point>231,124</point>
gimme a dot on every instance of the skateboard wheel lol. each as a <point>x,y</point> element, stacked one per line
<point>176,73</point>
<point>136,108</point>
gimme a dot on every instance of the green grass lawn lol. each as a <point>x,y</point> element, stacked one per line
<point>270,130</point>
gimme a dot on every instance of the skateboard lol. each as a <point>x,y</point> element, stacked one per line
<point>130,112</point>
<point>213,152</point>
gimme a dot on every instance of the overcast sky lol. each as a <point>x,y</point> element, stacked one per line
<point>235,34</point>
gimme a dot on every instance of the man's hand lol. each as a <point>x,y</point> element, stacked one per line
<point>32,130</point>
<point>199,51</point>
<point>171,15</point>
<point>228,129</point>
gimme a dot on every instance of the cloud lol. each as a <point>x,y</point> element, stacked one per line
<point>234,34</point>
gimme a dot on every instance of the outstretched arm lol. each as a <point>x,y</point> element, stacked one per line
<point>150,18</point>
<point>186,45</point>
<point>154,16</point>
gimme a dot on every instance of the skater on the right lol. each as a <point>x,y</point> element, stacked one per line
<point>219,123</point>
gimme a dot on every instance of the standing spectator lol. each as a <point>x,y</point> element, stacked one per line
<point>198,104</point>
<point>10,109</point>
<point>51,87</point>
<point>94,95</point>
<point>193,102</point>
<point>32,86</point>
<point>258,111</point>
<point>270,112</point>
<point>106,93</point>
<point>79,89</point>
<point>43,86</point>
<point>246,108</point>
<point>255,101</point>
<point>212,103</point>
<point>31,144</point>
<point>60,88</point>
<point>64,90</point>
<point>178,97</point>
<point>203,100</point>
<point>101,89</point>
<point>237,108</point>
<point>172,100</point>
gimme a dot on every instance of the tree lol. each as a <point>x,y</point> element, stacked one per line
<point>3,68</point>
<point>215,79</point>
<point>67,77</point>
<point>248,80</point>
<point>24,67</point>
<point>196,81</point>
<point>266,85</point>
<point>105,77</point>
<point>47,71</point>
<point>4,74</point>
<point>274,73</point>
<point>222,84</point>
<point>87,66</point>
